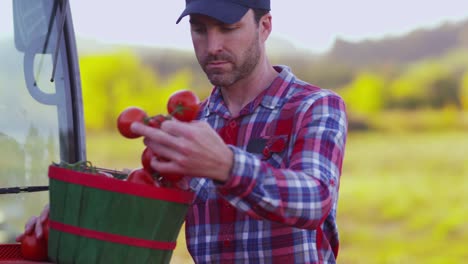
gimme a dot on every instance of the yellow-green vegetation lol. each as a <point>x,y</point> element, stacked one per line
<point>438,87</point>
<point>403,195</point>
<point>403,198</point>
<point>112,82</point>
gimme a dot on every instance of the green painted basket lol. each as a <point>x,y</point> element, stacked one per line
<point>98,219</point>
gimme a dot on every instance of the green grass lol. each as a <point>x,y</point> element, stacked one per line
<point>403,196</point>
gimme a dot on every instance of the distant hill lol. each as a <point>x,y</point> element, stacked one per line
<point>418,44</point>
<point>330,69</point>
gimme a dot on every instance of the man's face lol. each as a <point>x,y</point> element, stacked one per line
<point>226,52</point>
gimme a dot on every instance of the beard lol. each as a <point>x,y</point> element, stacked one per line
<point>240,68</point>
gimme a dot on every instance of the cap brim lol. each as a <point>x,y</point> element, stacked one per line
<point>224,11</point>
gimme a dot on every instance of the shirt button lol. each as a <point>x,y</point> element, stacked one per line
<point>233,124</point>
<point>266,152</point>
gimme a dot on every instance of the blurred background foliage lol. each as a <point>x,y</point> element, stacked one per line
<point>425,71</point>
<point>404,185</point>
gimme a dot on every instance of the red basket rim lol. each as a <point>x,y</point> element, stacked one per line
<point>120,186</point>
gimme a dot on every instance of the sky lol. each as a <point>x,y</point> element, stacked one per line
<point>307,24</point>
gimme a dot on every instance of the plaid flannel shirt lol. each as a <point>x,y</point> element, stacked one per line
<point>279,205</point>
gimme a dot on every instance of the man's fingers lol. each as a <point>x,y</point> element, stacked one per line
<point>141,129</point>
<point>44,213</point>
<point>166,167</point>
<point>169,129</point>
<point>178,129</point>
<point>20,237</point>
<point>38,230</point>
<point>29,226</point>
<point>153,134</point>
<point>34,224</point>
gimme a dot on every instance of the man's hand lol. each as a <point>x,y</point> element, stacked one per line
<point>191,149</point>
<point>35,224</point>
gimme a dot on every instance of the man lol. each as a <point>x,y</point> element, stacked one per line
<point>265,156</point>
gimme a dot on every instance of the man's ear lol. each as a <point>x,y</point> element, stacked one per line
<point>266,26</point>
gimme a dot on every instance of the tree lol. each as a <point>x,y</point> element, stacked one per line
<point>428,84</point>
<point>114,81</point>
<point>365,95</point>
<point>464,91</point>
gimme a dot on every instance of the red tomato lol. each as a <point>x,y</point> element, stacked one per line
<point>146,157</point>
<point>127,117</point>
<point>179,184</point>
<point>171,177</point>
<point>156,121</point>
<point>45,227</point>
<point>183,105</point>
<point>141,176</point>
<point>33,248</point>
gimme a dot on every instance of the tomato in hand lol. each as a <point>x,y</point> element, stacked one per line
<point>127,117</point>
<point>33,248</point>
<point>45,227</point>
<point>180,184</point>
<point>141,176</point>
<point>170,177</point>
<point>183,105</point>
<point>156,121</point>
<point>146,157</point>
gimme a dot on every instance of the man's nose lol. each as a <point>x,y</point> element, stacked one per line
<point>214,42</point>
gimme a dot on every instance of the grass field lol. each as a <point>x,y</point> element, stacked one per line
<point>403,197</point>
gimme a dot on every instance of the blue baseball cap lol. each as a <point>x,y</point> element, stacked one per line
<point>226,11</point>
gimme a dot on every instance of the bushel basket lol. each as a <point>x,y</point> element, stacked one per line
<point>99,219</point>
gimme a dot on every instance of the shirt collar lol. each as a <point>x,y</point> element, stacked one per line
<point>275,95</point>
<point>272,97</point>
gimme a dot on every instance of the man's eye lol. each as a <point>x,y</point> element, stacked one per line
<point>226,29</point>
<point>197,29</point>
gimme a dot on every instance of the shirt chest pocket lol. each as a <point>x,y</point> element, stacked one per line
<point>271,149</point>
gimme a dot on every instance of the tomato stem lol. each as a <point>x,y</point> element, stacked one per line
<point>146,120</point>
<point>82,166</point>
<point>179,109</point>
